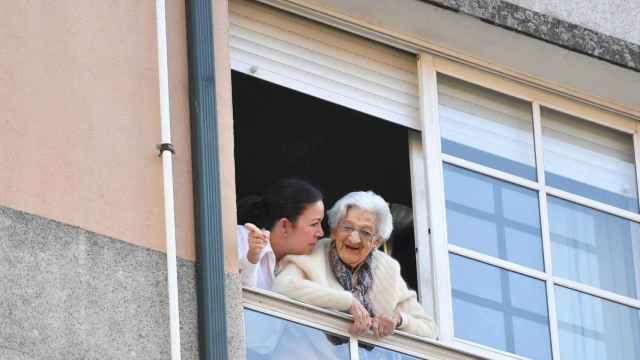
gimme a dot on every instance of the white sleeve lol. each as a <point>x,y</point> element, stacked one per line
<point>248,271</point>
<point>417,321</point>
<point>293,283</point>
<point>404,321</point>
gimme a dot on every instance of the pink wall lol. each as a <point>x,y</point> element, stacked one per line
<point>79,117</point>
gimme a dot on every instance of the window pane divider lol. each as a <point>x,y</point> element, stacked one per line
<point>503,264</point>
<point>484,170</point>
<point>594,291</point>
<point>545,232</point>
<point>353,349</point>
<point>580,200</point>
<point>636,158</point>
<point>543,276</point>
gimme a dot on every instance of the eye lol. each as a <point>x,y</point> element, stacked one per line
<point>366,234</point>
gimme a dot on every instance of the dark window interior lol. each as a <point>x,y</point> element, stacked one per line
<point>279,132</point>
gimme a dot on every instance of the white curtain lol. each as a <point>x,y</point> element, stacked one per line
<point>485,120</point>
<point>588,153</point>
<point>600,250</point>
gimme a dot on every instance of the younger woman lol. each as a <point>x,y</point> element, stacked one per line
<point>286,220</point>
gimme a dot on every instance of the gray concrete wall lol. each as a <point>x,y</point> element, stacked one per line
<point>67,293</point>
<point>235,318</point>
<point>566,33</point>
<point>619,18</point>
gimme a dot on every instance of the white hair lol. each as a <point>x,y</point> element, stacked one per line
<point>364,200</point>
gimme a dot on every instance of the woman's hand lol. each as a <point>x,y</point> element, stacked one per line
<point>361,318</point>
<point>258,239</point>
<point>384,325</point>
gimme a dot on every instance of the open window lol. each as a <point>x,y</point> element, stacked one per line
<point>514,203</point>
<point>332,108</point>
<point>337,110</point>
<point>283,133</point>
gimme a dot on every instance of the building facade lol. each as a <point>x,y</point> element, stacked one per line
<point>508,129</point>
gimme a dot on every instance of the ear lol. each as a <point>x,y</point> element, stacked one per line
<point>283,225</point>
<point>377,242</point>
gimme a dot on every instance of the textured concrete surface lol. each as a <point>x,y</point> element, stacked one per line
<point>618,18</point>
<point>565,33</point>
<point>235,318</point>
<point>188,298</point>
<point>9,354</point>
<point>66,293</point>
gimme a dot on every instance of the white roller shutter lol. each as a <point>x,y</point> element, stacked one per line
<point>323,62</point>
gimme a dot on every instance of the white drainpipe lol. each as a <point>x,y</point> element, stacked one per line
<point>166,151</point>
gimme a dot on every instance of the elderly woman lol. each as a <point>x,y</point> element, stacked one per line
<point>347,273</point>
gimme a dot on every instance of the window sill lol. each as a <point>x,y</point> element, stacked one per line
<point>338,323</point>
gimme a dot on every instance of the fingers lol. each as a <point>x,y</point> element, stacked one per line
<point>355,329</point>
<point>251,228</point>
<point>386,328</point>
<point>375,327</point>
<point>359,327</point>
<point>361,318</point>
<point>382,326</point>
<point>256,233</point>
<point>258,240</point>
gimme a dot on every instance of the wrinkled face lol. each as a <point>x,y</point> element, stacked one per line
<point>350,236</point>
<point>305,233</point>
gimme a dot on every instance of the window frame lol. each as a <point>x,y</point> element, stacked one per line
<point>337,323</point>
<point>428,192</point>
<point>430,65</point>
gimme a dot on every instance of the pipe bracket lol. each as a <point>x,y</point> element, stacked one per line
<point>165,147</point>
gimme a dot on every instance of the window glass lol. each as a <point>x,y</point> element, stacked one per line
<point>595,248</point>
<point>493,217</point>
<point>486,127</point>
<point>589,159</point>
<point>372,352</point>
<point>499,308</point>
<point>594,329</point>
<point>268,337</point>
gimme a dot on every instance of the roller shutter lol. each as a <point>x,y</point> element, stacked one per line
<point>324,62</point>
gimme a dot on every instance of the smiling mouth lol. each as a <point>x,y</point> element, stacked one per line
<point>351,247</point>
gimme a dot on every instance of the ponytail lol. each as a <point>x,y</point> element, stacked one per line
<point>251,209</point>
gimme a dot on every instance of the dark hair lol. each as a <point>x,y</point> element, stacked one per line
<point>287,198</point>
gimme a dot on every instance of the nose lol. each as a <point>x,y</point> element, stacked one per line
<point>354,238</point>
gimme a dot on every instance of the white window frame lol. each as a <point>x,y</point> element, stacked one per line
<point>428,193</point>
<point>338,323</point>
<point>429,66</point>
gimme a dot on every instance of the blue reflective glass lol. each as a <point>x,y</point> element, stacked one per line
<point>493,217</point>
<point>499,308</point>
<point>594,329</point>
<point>588,159</point>
<point>486,127</point>
<point>268,337</point>
<point>594,247</point>
<point>372,352</point>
